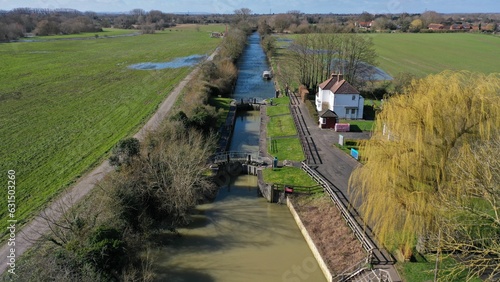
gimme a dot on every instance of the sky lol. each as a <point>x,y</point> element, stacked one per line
<point>265,6</point>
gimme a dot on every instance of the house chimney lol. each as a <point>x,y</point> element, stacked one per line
<point>338,75</point>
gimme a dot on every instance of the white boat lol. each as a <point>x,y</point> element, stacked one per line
<point>267,75</point>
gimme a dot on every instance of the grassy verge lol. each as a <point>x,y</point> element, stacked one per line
<point>291,176</point>
<point>280,126</point>
<point>359,125</point>
<point>279,107</point>
<point>286,149</point>
<point>348,145</point>
<point>65,104</point>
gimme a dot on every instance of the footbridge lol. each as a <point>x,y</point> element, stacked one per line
<point>239,156</point>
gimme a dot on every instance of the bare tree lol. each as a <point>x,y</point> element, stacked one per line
<point>316,55</point>
<point>242,14</point>
<point>159,188</point>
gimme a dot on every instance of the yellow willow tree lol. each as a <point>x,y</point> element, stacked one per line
<point>416,137</point>
<point>469,230</point>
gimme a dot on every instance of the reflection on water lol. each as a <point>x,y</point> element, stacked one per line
<point>246,132</point>
<point>176,63</point>
<point>239,237</point>
<point>250,67</point>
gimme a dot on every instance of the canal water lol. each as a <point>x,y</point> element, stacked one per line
<point>241,237</point>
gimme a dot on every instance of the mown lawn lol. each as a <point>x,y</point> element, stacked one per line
<point>286,149</point>
<point>65,103</point>
<point>280,126</point>
<point>289,176</point>
<point>280,106</point>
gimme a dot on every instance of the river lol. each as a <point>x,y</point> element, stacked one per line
<point>241,237</point>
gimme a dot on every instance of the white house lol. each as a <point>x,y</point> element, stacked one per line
<point>337,95</point>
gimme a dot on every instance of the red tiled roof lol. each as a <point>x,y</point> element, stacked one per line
<point>435,26</point>
<point>338,85</point>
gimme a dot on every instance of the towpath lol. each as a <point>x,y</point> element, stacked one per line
<point>37,227</point>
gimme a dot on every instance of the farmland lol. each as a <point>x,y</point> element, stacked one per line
<point>423,54</point>
<point>65,103</point>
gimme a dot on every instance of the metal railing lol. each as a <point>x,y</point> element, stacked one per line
<point>239,156</point>
<point>351,222</point>
<point>300,131</point>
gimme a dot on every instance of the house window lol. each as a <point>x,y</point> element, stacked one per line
<point>353,111</point>
<point>346,112</point>
<point>323,120</point>
<point>353,97</point>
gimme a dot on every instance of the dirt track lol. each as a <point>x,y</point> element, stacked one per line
<point>33,230</point>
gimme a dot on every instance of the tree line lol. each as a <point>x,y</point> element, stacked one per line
<point>24,22</point>
<point>297,22</point>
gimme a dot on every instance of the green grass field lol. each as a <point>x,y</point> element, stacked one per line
<point>65,103</point>
<point>105,33</point>
<point>426,53</point>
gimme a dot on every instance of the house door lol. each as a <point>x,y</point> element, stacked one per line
<point>350,113</point>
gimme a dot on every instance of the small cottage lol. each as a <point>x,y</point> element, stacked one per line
<point>327,119</point>
<point>339,96</point>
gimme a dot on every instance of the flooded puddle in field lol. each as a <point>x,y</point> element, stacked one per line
<point>176,63</point>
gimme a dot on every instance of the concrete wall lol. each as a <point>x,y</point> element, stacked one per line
<point>265,189</point>
<point>310,242</point>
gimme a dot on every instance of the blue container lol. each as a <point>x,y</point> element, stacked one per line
<point>275,162</point>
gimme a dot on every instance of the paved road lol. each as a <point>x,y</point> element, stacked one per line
<point>336,167</point>
<point>36,228</point>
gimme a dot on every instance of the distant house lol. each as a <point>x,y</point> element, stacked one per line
<point>467,26</point>
<point>365,25</point>
<point>339,96</point>
<point>459,26</point>
<point>435,26</point>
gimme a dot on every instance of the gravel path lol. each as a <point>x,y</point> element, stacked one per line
<point>37,227</point>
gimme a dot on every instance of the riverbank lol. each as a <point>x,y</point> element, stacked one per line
<point>335,242</point>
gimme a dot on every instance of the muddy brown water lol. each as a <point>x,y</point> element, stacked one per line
<point>241,237</point>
